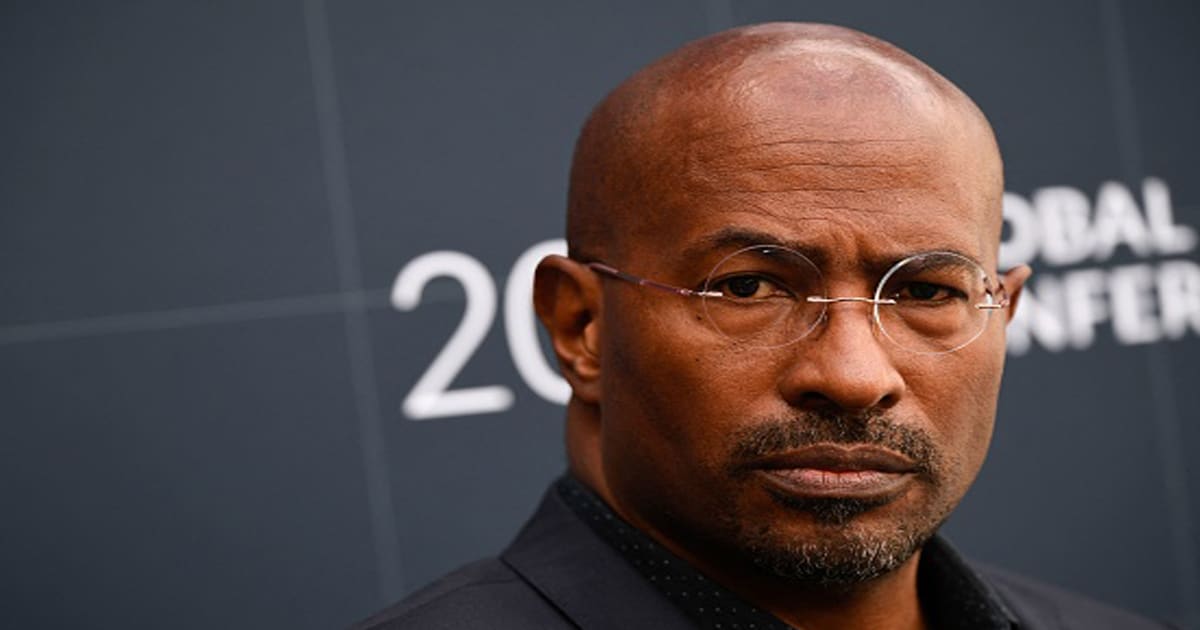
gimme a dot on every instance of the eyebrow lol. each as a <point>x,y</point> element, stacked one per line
<point>732,238</point>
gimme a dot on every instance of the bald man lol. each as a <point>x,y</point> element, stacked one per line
<point>783,327</point>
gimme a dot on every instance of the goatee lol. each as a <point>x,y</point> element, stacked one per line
<point>845,552</point>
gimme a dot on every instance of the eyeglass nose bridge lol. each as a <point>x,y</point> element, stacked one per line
<point>813,299</point>
<point>990,305</point>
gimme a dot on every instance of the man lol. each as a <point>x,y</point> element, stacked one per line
<point>783,328</point>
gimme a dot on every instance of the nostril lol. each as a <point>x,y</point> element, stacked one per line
<point>888,401</point>
<point>815,400</point>
<point>812,401</point>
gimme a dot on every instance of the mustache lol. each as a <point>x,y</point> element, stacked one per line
<point>873,427</point>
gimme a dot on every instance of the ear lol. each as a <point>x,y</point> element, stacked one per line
<point>1014,281</point>
<point>566,296</point>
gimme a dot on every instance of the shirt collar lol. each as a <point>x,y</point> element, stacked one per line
<point>952,594</point>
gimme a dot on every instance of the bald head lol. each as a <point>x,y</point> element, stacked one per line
<point>732,95</point>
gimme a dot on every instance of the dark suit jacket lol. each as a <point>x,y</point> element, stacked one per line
<point>559,574</point>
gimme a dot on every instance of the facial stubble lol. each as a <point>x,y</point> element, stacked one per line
<point>845,550</point>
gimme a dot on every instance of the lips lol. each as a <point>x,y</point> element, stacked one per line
<point>832,471</point>
<point>838,458</point>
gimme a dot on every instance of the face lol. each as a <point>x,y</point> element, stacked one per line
<point>835,457</point>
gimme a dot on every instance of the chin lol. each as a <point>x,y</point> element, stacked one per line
<point>832,542</point>
<point>852,557</point>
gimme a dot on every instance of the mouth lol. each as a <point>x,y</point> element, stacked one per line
<point>864,472</point>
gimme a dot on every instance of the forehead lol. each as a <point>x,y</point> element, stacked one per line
<point>838,207</point>
<point>878,183</point>
<point>837,246</point>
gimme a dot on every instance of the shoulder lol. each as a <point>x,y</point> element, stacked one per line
<point>484,594</point>
<point>1044,606</point>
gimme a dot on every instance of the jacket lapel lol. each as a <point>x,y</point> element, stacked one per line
<point>583,576</point>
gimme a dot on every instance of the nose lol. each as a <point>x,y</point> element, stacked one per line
<point>843,363</point>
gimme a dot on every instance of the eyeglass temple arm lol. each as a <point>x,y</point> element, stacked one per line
<point>646,282</point>
<point>997,305</point>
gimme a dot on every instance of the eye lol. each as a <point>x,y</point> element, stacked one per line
<point>749,287</point>
<point>928,292</point>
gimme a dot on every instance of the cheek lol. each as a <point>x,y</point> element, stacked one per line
<point>957,394</point>
<point>673,386</point>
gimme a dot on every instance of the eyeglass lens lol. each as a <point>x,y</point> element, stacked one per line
<point>764,290</point>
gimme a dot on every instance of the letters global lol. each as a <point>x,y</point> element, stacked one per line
<point>1152,300</point>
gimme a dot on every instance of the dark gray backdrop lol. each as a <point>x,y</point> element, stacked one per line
<point>205,206</point>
